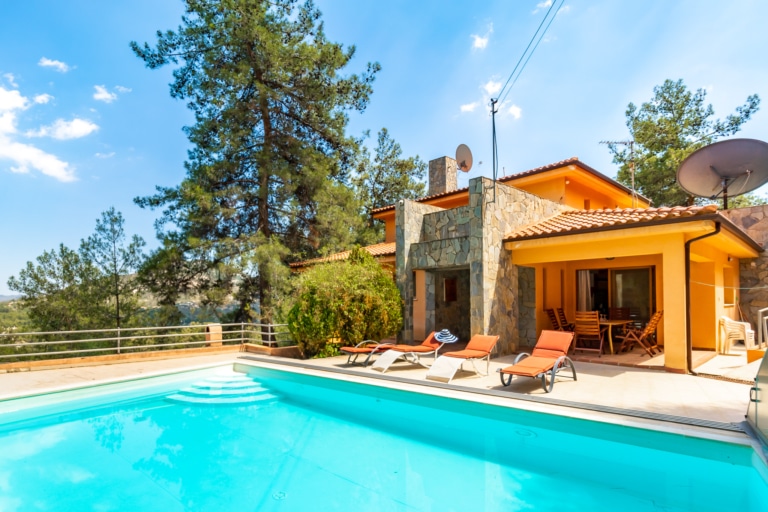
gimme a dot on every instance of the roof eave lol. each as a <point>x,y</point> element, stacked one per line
<point>691,218</point>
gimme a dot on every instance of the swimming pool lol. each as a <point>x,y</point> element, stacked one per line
<point>303,442</point>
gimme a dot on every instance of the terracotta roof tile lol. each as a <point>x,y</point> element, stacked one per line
<point>376,250</point>
<point>556,165</point>
<point>580,220</point>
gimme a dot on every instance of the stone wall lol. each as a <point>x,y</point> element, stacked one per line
<point>453,223</point>
<point>454,315</point>
<point>471,237</point>
<point>442,175</point>
<point>409,216</point>
<point>753,273</point>
<point>504,208</point>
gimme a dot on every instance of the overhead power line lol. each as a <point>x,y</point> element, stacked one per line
<point>554,8</point>
<point>526,55</point>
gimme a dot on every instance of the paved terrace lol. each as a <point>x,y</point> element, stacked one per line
<point>599,386</point>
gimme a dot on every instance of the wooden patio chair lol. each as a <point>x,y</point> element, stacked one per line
<point>588,332</point>
<point>553,319</point>
<point>645,338</point>
<point>565,325</point>
<point>620,314</point>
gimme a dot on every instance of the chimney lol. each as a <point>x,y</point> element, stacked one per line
<point>442,175</point>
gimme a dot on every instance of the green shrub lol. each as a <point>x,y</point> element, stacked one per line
<point>354,300</point>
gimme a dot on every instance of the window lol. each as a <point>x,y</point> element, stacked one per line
<point>632,288</point>
<point>449,289</point>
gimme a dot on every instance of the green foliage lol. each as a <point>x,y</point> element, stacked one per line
<point>117,261</point>
<point>674,124</point>
<point>13,318</point>
<point>354,300</point>
<point>384,179</point>
<point>86,289</point>
<point>269,148</point>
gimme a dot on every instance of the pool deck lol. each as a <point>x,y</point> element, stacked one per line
<point>599,386</point>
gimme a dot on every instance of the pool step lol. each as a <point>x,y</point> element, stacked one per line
<point>223,390</point>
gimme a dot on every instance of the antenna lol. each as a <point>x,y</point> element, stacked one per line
<point>631,144</point>
<point>464,157</point>
<point>740,164</point>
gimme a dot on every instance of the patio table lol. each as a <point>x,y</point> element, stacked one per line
<point>611,324</point>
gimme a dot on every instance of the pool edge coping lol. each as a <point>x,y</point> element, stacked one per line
<point>734,433</point>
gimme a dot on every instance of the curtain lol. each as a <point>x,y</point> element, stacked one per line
<point>584,290</point>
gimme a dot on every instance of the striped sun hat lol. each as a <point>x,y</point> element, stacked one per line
<point>445,336</point>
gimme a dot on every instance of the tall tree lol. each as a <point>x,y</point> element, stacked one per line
<point>270,106</point>
<point>672,125</point>
<point>61,291</point>
<point>117,259</point>
<point>387,176</point>
<point>91,288</point>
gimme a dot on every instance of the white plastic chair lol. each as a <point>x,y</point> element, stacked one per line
<point>731,330</point>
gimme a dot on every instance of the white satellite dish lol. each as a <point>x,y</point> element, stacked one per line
<point>464,157</point>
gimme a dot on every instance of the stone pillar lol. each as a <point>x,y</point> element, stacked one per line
<point>442,175</point>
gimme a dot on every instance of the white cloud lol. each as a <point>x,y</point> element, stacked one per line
<point>492,87</point>
<point>105,155</point>
<point>12,100</point>
<point>469,107</point>
<point>42,99</point>
<point>11,79</point>
<point>64,130</point>
<point>122,89</point>
<point>25,157</point>
<point>59,66</point>
<point>102,94</point>
<point>479,42</point>
<point>546,4</point>
<point>564,9</point>
<point>515,111</point>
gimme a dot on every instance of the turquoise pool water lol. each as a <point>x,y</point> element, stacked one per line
<point>295,442</point>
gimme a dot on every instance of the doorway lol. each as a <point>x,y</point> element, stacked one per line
<point>632,288</point>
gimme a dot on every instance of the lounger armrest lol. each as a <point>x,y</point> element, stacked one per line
<point>521,356</point>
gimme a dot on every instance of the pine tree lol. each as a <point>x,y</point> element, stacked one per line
<point>270,106</point>
<point>674,124</point>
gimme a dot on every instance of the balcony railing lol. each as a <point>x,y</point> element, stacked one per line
<point>28,346</point>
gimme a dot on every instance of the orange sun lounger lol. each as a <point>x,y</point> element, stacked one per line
<point>478,348</point>
<point>411,353</point>
<point>549,356</point>
<point>369,348</point>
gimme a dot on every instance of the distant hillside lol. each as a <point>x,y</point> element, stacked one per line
<point>7,298</point>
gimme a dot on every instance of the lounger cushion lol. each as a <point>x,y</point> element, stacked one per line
<point>467,354</point>
<point>556,341</point>
<point>364,350</point>
<point>537,352</point>
<point>530,366</point>
<point>421,349</point>
<point>481,343</point>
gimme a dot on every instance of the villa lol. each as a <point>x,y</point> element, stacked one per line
<point>494,256</point>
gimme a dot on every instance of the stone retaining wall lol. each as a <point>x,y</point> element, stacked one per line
<point>753,273</point>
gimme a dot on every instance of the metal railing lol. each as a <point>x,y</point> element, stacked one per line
<point>28,346</point>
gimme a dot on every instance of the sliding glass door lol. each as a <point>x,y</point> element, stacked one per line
<point>632,288</point>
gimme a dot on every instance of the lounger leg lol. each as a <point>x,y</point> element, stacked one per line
<point>509,378</point>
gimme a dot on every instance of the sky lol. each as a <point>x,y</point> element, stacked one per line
<point>85,126</point>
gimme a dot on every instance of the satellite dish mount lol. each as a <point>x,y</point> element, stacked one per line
<point>464,158</point>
